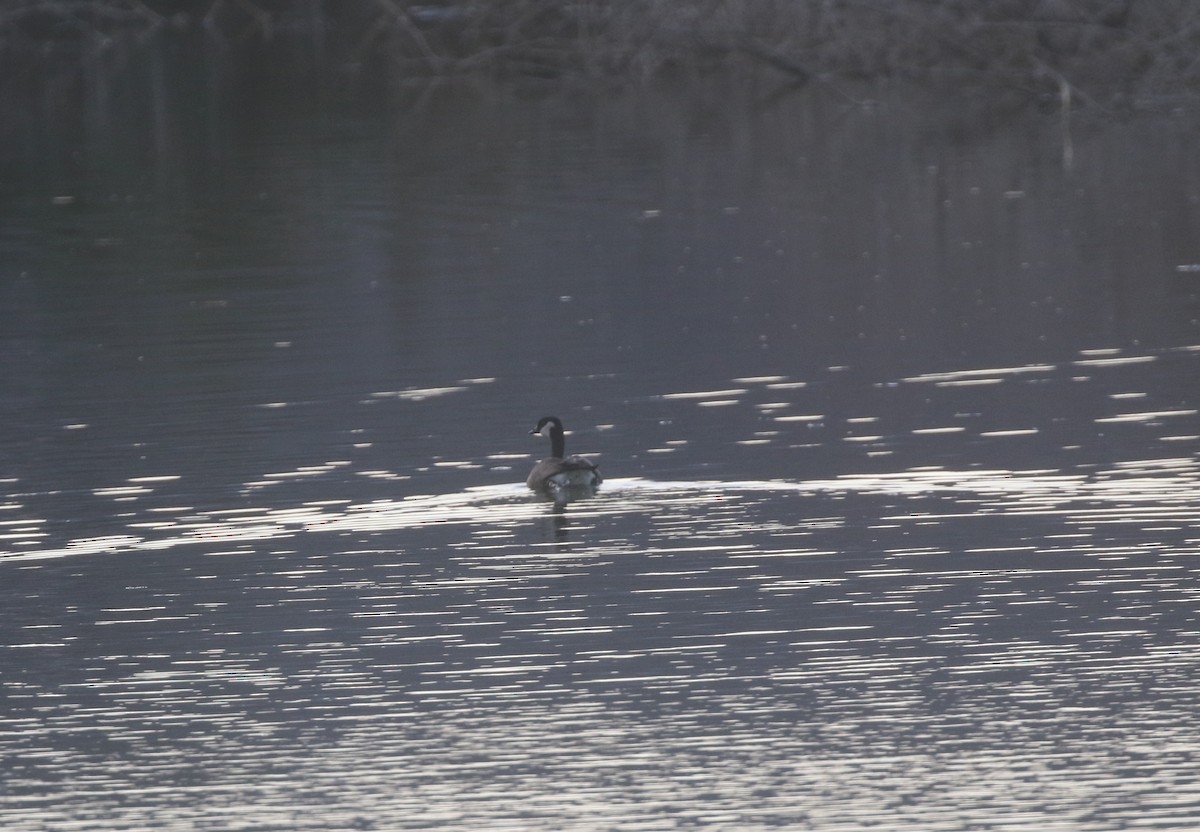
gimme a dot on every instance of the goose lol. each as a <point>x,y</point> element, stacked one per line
<point>557,471</point>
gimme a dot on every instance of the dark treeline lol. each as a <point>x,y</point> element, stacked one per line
<point>1096,51</point>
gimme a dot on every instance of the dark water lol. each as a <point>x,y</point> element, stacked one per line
<point>897,408</point>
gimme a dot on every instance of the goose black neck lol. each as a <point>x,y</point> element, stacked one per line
<point>557,443</point>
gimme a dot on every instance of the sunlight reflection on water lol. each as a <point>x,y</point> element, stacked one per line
<point>749,653</point>
<point>1158,488</point>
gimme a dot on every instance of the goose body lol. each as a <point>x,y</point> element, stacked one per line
<point>558,470</point>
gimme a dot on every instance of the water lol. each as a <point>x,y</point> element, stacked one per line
<point>897,415</point>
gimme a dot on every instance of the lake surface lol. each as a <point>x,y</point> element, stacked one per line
<point>895,397</point>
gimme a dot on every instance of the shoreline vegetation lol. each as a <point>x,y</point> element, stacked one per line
<point>1109,54</point>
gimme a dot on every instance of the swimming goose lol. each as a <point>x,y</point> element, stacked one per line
<point>555,471</point>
